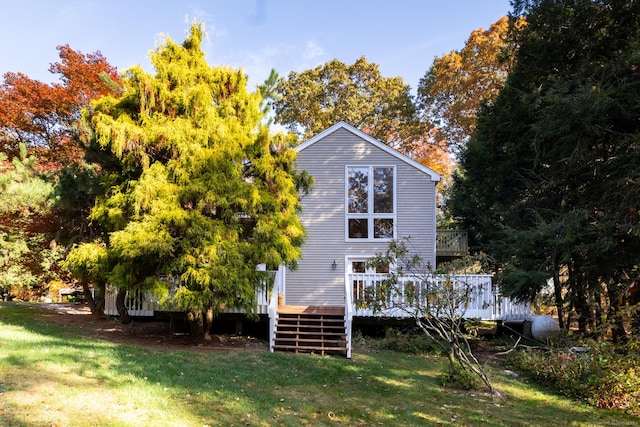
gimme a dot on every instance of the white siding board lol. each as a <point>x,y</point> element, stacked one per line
<point>314,282</point>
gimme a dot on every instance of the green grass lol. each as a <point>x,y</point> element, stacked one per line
<point>50,375</point>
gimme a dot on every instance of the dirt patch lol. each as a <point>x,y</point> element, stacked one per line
<point>148,333</point>
<point>489,353</point>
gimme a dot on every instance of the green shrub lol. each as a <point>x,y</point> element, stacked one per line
<point>460,378</point>
<point>411,341</point>
<point>605,376</point>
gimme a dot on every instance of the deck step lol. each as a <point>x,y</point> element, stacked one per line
<point>302,333</point>
<point>310,329</point>
<point>302,342</point>
<point>305,349</point>
<point>311,309</point>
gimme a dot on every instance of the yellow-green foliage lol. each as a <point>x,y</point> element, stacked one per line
<point>87,261</point>
<point>205,193</point>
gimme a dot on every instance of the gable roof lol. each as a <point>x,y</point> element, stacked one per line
<point>371,140</point>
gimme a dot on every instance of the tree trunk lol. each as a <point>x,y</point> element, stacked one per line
<point>583,319</point>
<point>594,299</point>
<point>122,308</point>
<point>557,292</point>
<point>580,303</point>
<point>100,292</point>
<point>634,301</point>
<point>200,324</point>
<point>570,315</point>
<point>97,303</point>
<point>196,325</point>
<point>618,333</point>
<point>452,360</point>
<point>88,296</point>
<point>599,314</point>
<point>207,323</point>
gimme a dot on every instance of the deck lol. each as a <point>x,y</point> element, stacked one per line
<point>451,243</point>
<point>483,302</point>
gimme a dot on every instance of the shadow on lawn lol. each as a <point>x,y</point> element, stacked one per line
<point>262,388</point>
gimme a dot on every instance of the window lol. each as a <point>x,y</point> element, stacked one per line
<point>362,278</point>
<point>370,202</point>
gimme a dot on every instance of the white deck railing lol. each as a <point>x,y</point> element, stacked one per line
<point>509,309</point>
<point>348,314</point>
<point>146,304</point>
<point>278,289</point>
<point>138,303</point>
<point>483,301</point>
<point>263,297</point>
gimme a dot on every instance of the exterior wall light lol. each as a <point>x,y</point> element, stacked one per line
<point>334,265</point>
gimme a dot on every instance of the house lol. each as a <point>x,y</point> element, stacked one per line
<point>365,195</point>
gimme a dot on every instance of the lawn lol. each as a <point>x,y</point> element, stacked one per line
<point>53,375</point>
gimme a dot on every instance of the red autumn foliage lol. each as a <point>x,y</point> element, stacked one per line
<point>80,74</point>
<point>40,114</point>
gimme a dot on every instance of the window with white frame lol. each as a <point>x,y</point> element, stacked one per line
<point>370,200</point>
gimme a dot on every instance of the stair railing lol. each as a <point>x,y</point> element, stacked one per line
<point>278,289</point>
<point>348,313</point>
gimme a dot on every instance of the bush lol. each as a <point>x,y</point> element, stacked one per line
<point>402,340</point>
<point>460,378</point>
<point>605,376</point>
<point>411,341</point>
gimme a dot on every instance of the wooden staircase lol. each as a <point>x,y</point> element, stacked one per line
<point>310,329</point>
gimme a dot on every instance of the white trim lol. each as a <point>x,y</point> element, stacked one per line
<point>370,216</point>
<point>351,258</point>
<point>343,125</point>
<point>348,272</point>
<point>349,306</point>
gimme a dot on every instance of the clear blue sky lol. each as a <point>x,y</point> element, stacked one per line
<point>401,36</point>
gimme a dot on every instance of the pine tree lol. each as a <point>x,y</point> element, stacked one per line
<point>204,193</point>
<point>548,183</point>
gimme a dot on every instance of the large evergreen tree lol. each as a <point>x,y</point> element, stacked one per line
<point>204,193</point>
<point>549,182</point>
<point>28,222</point>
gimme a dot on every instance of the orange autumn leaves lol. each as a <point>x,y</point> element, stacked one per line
<point>39,114</point>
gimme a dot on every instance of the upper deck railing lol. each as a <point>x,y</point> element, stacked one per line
<point>452,242</point>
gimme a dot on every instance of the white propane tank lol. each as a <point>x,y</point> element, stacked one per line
<point>543,327</point>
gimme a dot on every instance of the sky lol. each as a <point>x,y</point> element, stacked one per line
<point>401,36</point>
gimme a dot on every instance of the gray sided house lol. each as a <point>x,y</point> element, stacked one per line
<point>365,195</point>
